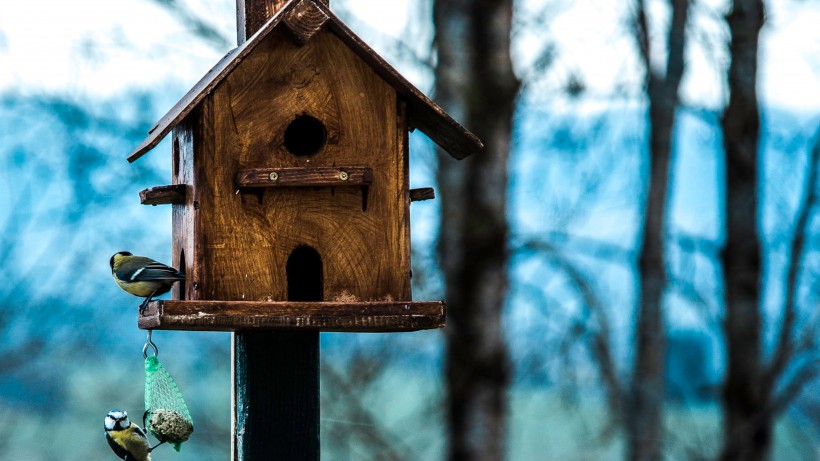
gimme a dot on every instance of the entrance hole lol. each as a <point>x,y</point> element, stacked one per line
<point>304,271</point>
<point>305,136</point>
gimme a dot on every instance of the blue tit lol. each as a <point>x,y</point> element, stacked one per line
<point>126,438</point>
<point>143,276</point>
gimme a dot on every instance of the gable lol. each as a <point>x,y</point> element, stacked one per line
<point>254,106</point>
<point>423,113</point>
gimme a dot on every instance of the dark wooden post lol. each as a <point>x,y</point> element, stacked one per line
<point>276,374</point>
<point>276,395</point>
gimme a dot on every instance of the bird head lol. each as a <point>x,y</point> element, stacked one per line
<point>117,420</point>
<point>115,260</point>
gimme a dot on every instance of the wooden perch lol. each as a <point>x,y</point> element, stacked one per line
<point>163,195</point>
<point>422,193</point>
<point>304,177</point>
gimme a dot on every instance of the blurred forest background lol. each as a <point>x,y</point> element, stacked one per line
<point>631,267</point>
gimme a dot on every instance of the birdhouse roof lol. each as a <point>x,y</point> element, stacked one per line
<point>423,113</point>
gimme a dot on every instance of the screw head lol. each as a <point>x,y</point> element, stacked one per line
<point>343,176</point>
<point>273,176</point>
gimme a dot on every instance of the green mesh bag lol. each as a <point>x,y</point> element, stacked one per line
<point>166,415</point>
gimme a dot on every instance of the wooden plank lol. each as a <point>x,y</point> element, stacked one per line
<point>304,177</point>
<point>363,317</point>
<point>173,194</point>
<point>185,254</point>
<point>422,193</point>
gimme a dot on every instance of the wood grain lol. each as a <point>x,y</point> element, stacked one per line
<point>423,113</point>
<point>293,315</point>
<point>305,20</point>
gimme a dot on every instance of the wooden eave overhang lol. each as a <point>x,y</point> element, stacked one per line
<point>423,113</point>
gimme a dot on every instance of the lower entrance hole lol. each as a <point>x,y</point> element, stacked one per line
<point>304,271</point>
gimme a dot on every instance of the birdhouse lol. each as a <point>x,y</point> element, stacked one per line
<point>290,184</point>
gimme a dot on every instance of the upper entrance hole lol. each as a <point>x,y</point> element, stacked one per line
<point>305,136</point>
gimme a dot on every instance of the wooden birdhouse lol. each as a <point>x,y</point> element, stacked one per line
<point>290,184</point>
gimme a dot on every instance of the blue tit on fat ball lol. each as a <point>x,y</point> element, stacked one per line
<point>143,276</point>
<point>126,438</point>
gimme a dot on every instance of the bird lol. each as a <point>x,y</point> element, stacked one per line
<point>143,277</point>
<point>128,440</point>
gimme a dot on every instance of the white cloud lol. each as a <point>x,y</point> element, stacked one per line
<point>95,46</point>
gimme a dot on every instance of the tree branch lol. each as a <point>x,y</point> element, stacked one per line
<point>600,347</point>
<point>675,62</point>
<point>198,25</point>
<point>804,375</point>
<point>786,348</point>
<point>642,37</point>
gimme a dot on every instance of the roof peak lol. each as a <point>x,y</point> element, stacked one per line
<point>304,18</point>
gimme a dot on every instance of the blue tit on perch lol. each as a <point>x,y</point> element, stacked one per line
<point>143,276</point>
<point>126,438</point>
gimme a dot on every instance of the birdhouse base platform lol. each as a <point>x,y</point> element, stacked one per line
<point>371,316</point>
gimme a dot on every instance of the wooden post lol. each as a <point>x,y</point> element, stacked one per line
<point>253,14</point>
<point>276,395</point>
<point>275,374</point>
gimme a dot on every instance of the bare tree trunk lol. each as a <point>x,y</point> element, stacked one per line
<point>475,83</point>
<point>645,411</point>
<point>747,424</point>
